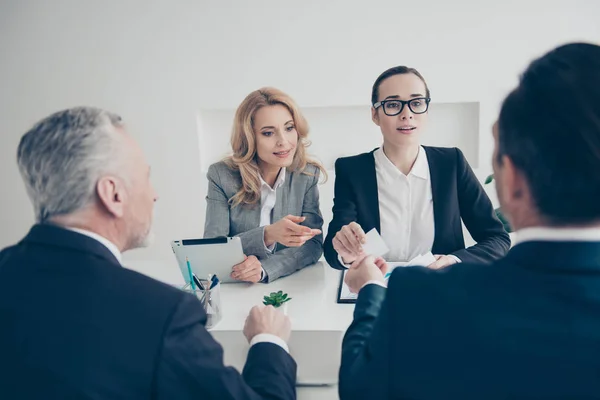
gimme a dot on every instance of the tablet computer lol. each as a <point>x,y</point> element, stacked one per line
<point>208,256</point>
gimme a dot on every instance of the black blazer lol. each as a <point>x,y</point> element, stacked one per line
<point>75,324</point>
<point>527,326</point>
<point>456,193</point>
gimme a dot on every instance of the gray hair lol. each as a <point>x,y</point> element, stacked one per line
<point>64,155</point>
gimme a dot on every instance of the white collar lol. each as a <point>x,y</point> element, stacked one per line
<point>280,180</point>
<point>547,234</point>
<point>107,243</point>
<point>420,168</point>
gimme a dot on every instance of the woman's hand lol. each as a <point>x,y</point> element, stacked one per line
<point>250,270</point>
<point>289,232</point>
<point>442,261</point>
<point>348,242</point>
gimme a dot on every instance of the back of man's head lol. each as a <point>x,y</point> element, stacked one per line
<point>62,157</point>
<point>549,127</point>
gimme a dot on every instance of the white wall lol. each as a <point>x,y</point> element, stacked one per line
<point>159,63</point>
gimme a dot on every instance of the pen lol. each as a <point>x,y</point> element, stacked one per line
<point>191,275</point>
<point>198,283</point>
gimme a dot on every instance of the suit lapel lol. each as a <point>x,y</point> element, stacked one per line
<point>52,235</point>
<point>437,194</point>
<point>370,189</point>
<point>281,210</point>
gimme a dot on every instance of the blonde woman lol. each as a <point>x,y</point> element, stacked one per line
<point>266,192</point>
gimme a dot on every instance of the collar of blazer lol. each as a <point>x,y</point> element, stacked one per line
<point>53,235</point>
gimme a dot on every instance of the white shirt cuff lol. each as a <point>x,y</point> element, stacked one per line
<point>268,338</point>
<point>270,248</point>
<point>263,274</point>
<point>342,262</point>
<point>373,282</point>
<point>458,260</point>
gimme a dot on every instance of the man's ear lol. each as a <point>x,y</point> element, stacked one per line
<point>111,195</point>
<point>375,116</point>
<point>515,184</point>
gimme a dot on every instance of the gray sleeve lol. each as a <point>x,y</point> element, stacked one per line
<point>217,206</point>
<point>217,222</point>
<point>286,260</point>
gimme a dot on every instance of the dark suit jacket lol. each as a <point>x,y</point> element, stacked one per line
<point>77,325</point>
<point>456,194</point>
<point>527,326</point>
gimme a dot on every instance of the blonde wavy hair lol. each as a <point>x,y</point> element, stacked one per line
<point>243,142</point>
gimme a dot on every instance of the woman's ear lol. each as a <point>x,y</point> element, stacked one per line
<point>375,116</point>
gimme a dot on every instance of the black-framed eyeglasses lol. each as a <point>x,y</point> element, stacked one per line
<point>393,107</point>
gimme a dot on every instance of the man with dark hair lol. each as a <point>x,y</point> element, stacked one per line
<point>527,326</point>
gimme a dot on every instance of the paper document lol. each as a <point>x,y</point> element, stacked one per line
<point>423,260</point>
<point>345,293</point>
<point>374,244</point>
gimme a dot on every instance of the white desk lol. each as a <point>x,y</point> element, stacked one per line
<point>318,324</point>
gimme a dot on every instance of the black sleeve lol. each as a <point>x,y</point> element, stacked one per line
<point>344,212</point>
<point>190,365</point>
<point>365,367</point>
<point>478,214</point>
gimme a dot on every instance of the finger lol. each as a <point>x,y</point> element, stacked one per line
<point>315,232</point>
<point>381,264</point>
<point>358,232</point>
<point>243,264</point>
<point>236,273</point>
<point>438,256</point>
<point>250,276</point>
<point>255,269</point>
<point>299,229</point>
<point>340,247</point>
<point>436,265</point>
<point>344,240</point>
<point>352,239</point>
<point>297,241</point>
<point>241,267</point>
<point>295,218</point>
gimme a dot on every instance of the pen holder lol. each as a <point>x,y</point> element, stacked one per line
<point>211,302</point>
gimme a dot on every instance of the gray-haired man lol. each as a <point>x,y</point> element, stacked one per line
<point>75,323</point>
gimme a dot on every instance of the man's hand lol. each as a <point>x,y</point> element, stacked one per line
<point>363,270</point>
<point>267,320</point>
<point>442,261</point>
<point>289,232</point>
<point>249,270</point>
<point>348,242</point>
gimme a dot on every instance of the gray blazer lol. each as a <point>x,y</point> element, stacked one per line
<point>298,195</point>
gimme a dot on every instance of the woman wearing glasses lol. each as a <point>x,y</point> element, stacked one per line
<point>415,196</point>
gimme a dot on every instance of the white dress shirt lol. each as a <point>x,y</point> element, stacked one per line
<point>405,207</point>
<point>268,196</point>
<point>545,234</point>
<point>107,243</point>
<point>263,337</point>
<point>406,219</point>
